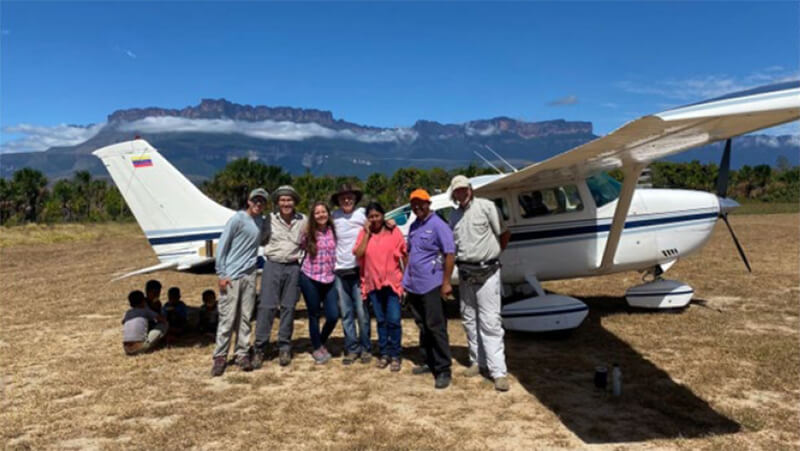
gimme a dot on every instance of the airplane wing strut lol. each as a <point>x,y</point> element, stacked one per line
<point>632,172</point>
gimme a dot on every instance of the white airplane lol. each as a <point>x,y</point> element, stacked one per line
<point>568,218</point>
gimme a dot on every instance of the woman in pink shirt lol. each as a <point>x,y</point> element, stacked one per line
<point>381,252</point>
<point>316,278</point>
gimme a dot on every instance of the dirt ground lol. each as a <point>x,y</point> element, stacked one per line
<point>722,373</point>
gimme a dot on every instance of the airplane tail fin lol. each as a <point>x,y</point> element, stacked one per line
<point>173,213</point>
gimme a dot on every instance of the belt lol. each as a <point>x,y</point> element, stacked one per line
<point>291,262</point>
<point>491,262</point>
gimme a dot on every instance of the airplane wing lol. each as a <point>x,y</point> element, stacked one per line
<point>633,146</point>
<point>667,133</point>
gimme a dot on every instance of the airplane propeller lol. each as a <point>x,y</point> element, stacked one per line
<point>727,204</point>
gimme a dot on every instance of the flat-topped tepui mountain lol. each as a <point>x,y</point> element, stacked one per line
<point>199,140</point>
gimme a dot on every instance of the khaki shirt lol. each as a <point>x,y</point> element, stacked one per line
<point>476,230</point>
<point>284,240</point>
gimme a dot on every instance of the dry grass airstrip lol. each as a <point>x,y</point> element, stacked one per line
<point>722,373</point>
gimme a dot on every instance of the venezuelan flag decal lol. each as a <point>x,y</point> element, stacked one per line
<point>142,161</point>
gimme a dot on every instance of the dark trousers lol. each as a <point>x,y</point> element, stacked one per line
<point>279,294</point>
<point>389,319</point>
<point>428,311</point>
<point>319,295</point>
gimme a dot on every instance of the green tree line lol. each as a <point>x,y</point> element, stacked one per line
<point>29,197</point>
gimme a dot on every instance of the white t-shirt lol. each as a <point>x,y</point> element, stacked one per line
<point>347,228</point>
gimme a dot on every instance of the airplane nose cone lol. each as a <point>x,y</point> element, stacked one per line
<point>726,205</point>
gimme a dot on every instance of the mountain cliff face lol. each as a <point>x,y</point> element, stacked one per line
<point>300,140</point>
<point>223,109</point>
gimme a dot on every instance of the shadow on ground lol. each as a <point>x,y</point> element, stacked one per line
<point>559,369</point>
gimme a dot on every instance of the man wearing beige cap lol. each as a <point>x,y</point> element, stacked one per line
<point>237,254</point>
<point>480,237</point>
<point>280,275</point>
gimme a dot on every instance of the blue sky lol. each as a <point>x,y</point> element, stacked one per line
<point>386,64</point>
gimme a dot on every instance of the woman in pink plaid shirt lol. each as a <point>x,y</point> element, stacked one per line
<point>316,278</point>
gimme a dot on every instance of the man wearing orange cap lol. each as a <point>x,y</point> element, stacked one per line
<point>426,280</point>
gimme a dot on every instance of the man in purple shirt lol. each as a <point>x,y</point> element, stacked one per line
<point>426,280</point>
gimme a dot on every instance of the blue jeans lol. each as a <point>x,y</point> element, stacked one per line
<point>351,306</point>
<point>386,305</point>
<point>318,294</point>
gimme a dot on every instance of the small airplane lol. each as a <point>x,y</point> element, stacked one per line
<point>567,216</point>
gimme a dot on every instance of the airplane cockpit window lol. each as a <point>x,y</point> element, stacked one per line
<point>550,201</point>
<point>502,207</point>
<point>445,213</point>
<point>400,215</point>
<point>604,188</point>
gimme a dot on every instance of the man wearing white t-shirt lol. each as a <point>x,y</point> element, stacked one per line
<point>348,222</point>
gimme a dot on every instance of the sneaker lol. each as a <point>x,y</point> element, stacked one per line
<point>219,366</point>
<point>501,383</point>
<point>320,356</point>
<point>258,359</point>
<point>442,381</point>
<point>244,362</point>
<point>472,371</point>
<point>395,365</point>
<point>366,357</point>
<point>327,353</point>
<point>284,357</point>
<point>382,363</point>
<point>349,357</point>
<point>420,369</point>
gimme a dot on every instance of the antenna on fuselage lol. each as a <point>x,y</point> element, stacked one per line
<point>489,163</point>
<point>501,158</point>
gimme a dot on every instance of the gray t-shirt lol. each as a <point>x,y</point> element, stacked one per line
<point>476,230</point>
<point>136,323</point>
<point>237,251</point>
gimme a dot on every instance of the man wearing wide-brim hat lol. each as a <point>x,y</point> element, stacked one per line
<point>348,221</point>
<point>480,236</point>
<point>237,254</point>
<point>280,276</point>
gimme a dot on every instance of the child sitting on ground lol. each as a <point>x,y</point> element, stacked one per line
<point>209,316</point>
<point>175,312</point>
<point>141,327</point>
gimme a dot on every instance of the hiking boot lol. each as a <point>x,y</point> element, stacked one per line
<point>366,357</point>
<point>219,366</point>
<point>244,362</point>
<point>501,383</point>
<point>321,356</point>
<point>284,357</point>
<point>442,381</point>
<point>420,369</point>
<point>395,365</point>
<point>472,371</point>
<point>382,363</point>
<point>349,357</point>
<point>258,359</point>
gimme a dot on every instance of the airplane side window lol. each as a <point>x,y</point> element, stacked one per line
<point>604,188</point>
<point>502,207</point>
<point>560,199</point>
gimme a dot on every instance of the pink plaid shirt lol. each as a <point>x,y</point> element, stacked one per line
<point>320,267</point>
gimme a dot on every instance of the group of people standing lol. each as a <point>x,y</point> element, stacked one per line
<point>339,260</point>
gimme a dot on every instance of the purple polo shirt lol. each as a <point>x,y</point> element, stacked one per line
<point>428,241</point>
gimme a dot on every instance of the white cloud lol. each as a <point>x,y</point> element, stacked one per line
<point>288,131</point>
<point>36,138</point>
<point>130,54</point>
<point>488,131</point>
<point>568,100</point>
<point>610,105</point>
<point>708,86</point>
